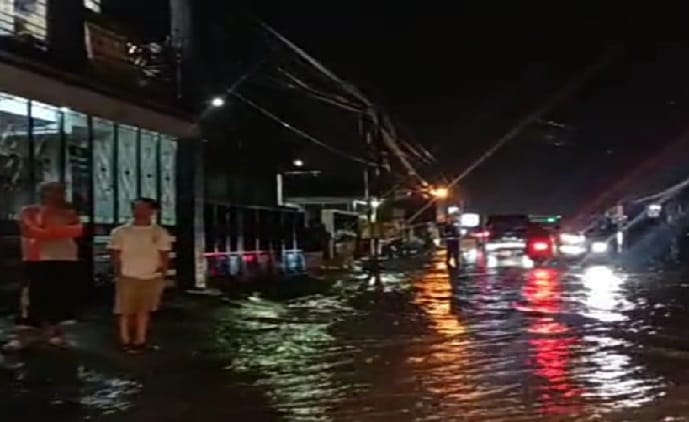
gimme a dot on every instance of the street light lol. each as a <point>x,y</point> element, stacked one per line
<point>298,163</point>
<point>440,193</point>
<point>217,102</point>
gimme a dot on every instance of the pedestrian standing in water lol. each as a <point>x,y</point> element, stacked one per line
<point>140,254</point>
<point>48,236</point>
<point>452,241</point>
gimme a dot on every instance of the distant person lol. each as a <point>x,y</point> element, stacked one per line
<point>452,242</point>
<point>140,253</point>
<point>48,236</point>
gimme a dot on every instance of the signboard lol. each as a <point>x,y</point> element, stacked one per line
<point>654,210</point>
<point>107,48</point>
<point>545,219</point>
<point>470,220</point>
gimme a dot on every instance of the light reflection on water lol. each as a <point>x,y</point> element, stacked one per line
<point>505,345</point>
<point>515,345</point>
<point>290,347</point>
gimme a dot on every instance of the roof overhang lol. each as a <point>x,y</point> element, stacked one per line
<point>20,82</point>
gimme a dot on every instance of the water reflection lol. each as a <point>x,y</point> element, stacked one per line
<point>59,385</point>
<point>495,345</point>
<point>605,300</point>
<point>288,344</point>
<point>551,344</point>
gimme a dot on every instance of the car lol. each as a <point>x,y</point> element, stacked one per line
<point>505,235</point>
<point>571,245</point>
<point>600,244</point>
<point>541,244</point>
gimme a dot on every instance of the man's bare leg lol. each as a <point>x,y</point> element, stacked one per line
<point>125,325</point>
<point>142,321</point>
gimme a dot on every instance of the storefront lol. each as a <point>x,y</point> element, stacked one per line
<point>104,163</point>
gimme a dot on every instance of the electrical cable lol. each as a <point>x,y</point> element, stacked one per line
<point>300,132</point>
<point>566,91</point>
<point>388,140</point>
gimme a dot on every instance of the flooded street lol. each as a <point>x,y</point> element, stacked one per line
<point>503,344</point>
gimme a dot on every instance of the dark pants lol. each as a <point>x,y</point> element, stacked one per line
<point>54,290</point>
<point>453,251</point>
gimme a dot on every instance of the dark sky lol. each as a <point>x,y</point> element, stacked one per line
<point>456,79</point>
<point>460,78</point>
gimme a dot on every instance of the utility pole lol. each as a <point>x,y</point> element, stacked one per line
<point>372,133</point>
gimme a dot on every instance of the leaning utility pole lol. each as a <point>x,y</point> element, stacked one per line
<point>370,130</point>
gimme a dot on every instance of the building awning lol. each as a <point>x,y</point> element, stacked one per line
<point>33,86</point>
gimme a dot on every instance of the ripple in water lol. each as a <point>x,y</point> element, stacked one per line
<point>516,345</point>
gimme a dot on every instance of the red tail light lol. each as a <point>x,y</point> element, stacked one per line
<point>541,274</point>
<point>540,246</point>
<point>482,235</point>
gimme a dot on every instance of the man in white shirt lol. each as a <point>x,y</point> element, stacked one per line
<point>140,253</point>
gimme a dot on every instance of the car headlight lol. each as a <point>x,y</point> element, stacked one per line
<point>572,239</point>
<point>599,247</point>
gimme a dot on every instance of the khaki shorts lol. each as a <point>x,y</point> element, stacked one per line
<point>133,295</point>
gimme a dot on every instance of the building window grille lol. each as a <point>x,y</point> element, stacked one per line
<point>24,19</point>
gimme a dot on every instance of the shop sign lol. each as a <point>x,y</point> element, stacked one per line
<point>106,48</point>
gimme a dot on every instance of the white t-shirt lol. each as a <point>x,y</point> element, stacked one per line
<point>140,248</point>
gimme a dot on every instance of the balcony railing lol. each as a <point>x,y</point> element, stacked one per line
<point>117,60</point>
<point>24,20</point>
<point>147,65</point>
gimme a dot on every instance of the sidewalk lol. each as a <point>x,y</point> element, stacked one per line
<point>93,380</point>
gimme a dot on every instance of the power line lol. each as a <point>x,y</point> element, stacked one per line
<point>316,64</point>
<point>321,96</point>
<point>388,140</point>
<point>567,90</point>
<point>665,193</point>
<point>300,132</point>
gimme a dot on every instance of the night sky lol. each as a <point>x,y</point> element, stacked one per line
<point>457,79</point>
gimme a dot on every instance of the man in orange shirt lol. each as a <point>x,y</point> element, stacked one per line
<point>48,233</point>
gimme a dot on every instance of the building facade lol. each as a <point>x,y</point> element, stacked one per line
<point>87,104</point>
<point>87,100</point>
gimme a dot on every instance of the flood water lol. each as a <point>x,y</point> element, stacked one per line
<point>500,344</point>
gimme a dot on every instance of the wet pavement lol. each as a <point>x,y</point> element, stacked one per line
<point>498,344</point>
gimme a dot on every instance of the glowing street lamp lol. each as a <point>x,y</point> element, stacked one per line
<point>217,102</point>
<point>440,193</point>
<point>298,163</point>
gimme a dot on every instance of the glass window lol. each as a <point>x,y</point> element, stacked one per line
<point>168,187</point>
<point>249,229</point>
<point>46,120</point>
<point>289,227</point>
<point>15,185</point>
<point>77,171</point>
<point>262,229</point>
<point>148,152</point>
<point>209,212</point>
<point>6,17</point>
<point>233,229</point>
<point>221,228</point>
<point>103,171</point>
<point>94,5</point>
<point>127,170</point>
<point>23,18</point>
